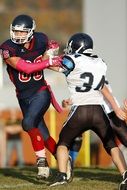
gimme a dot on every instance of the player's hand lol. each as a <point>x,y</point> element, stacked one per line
<point>52,44</point>
<point>121,114</point>
<point>55,61</point>
<point>125,105</point>
<point>66,103</point>
<point>53,48</point>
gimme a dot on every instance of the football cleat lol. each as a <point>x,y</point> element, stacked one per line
<point>43,168</point>
<point>123,184</point>
<point>61,179</point>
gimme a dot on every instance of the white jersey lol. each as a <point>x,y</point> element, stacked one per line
<point>85,79</point>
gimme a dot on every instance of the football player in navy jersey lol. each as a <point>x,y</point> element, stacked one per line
<point>85,75</point>
<point>23,54</point>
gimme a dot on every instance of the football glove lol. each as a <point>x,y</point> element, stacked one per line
<point>53,48</point>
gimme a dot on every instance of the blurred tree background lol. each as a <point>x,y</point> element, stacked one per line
<point>57,18</point>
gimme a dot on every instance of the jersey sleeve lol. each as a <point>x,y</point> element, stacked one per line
<point>7,50</point>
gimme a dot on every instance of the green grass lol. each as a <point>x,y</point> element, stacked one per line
<point>84,179</point>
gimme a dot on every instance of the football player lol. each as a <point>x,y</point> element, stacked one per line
<point>85,74</point>
<point>24,54</point>
<point>119,127</point>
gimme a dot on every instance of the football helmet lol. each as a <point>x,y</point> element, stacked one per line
<point>23,23</point>
<point>79,43</point>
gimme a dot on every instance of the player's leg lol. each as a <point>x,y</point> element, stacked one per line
<point>104,131</point>
<point>69,132</point>
<point>119,127</point>
<point>33,110</point>
<point>76,144</point>
<point>73,153</point>
<point>49,142</point>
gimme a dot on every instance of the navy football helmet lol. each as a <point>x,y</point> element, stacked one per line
<point>79,43</point>
<point>23,23</point>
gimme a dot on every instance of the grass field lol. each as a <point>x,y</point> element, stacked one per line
<point>84,179</point>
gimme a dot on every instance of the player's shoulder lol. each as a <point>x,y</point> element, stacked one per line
<point>8,49</point>
<point>40,36</point>
<point>71,57</point>
<point>103,63</point>
<point>99,61</point>
<point>7,44</point>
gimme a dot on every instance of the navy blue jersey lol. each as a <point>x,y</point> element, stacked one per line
<point>26,84</point>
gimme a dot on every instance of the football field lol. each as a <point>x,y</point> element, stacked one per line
<point>84,179</point>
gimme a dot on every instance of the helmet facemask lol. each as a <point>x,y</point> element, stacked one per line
<point>68,49</point>
<point>23,38</point>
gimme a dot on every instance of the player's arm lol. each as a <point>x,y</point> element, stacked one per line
<point>22,65</point>
<point>105,100</point>
<point>66,66</point>
<point>66,103</point>
<point>52,51</point>
<point>108,95</point>
<point>125,108</point>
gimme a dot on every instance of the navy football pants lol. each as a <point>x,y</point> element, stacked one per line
<point>33,109</point>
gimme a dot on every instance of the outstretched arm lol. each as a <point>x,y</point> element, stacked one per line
<point>26,67</point>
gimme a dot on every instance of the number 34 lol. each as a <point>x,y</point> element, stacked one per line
<point>88,85</point>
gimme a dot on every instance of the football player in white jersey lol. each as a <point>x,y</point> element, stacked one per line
<point>85,75</point>
<point>119,127</point>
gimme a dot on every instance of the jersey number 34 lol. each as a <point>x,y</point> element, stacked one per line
<point>87,86</point>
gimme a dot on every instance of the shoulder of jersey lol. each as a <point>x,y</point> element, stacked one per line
<point>40,35</point>
<point>103,64</point>
<point>8,44</point>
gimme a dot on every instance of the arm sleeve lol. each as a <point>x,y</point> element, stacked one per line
<point>29,68</point>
